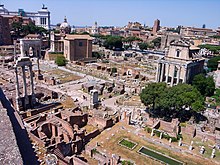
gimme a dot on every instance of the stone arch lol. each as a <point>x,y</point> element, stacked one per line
<point>27,44</point>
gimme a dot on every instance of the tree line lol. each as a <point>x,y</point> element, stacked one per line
<point>179,101</point>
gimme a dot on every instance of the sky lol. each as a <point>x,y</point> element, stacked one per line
<point>171,13</point>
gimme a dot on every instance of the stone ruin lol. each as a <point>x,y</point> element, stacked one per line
<point>25,101</point>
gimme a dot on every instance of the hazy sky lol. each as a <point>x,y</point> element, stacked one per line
<point>119,12</point>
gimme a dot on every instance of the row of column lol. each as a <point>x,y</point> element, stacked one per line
<point>25,95</point>
<point>162,67</point>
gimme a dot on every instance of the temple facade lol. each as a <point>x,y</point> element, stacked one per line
<point>180,64</point>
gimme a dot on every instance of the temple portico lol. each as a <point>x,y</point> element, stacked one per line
<point>179,65</point>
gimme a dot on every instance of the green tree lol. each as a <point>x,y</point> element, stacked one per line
<point>213,63</point>
<point>205,85</point>
<point>60,61</point>
<point>113,42</point>
<point>131,39</point>
<point>16,28</point>
<point>172,101</point>
<point>156,42</point>
<point>215,49</point>
<point>150,95</point>
<point>143,45</point>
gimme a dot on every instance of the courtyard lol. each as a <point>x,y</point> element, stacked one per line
<point>108,142</point>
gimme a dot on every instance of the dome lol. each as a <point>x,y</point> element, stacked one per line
<point>64,24</point>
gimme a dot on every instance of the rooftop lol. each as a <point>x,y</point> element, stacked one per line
<point>74,37</point>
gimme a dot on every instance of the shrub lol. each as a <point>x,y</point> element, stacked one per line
<point>148,129</point>
<point>174,139</point>
<point>60,61</point>
<point>157,133</point>
<point>166,136</point>
<point>126,162</point>
<point>179,136</point>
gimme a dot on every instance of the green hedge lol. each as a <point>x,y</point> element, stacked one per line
<point>60,61</point>
<point>165,136</point>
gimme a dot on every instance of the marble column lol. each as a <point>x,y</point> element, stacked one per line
<point>172,77</point>
<point>178,75</point>
<point>167,73</point>
<point>17,90</point>
<point>24,87</point>
<point>184,78</point>
<point>32,81</point>
<point>162,72</point>
<point>22,48</point>
<point>17,83</point>
<point>158,72</point>
<point>24,81</point>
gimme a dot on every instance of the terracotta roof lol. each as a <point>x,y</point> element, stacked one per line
<point>74,36</point>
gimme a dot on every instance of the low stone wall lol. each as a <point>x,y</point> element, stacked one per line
<point>92,135</point>
<point>77,161</point>
<point>189,130</point>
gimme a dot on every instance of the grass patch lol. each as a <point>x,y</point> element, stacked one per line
<point>126,162</point>
<point>127,143</point>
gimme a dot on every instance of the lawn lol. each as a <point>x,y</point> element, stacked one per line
<point>127,143</point>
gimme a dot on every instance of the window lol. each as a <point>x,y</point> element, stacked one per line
<point>177,53</point>
<point>43,21</point>
<point>80,44</point>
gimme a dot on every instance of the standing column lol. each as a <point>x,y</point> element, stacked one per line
<point>32,81</point>
<point>172,76</point>
<point>22,48</point>
<point>162,73</point>
<point>17,83</point>
<point>185,75</point>
<point>158,73</point>
<point>24,88</point>
<point>17,90</point>
<point>167,73</point>
<point>24,81</point>
<point>178,76</point>
<point>33,99</point>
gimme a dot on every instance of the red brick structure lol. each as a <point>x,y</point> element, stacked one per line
<point>5,37</point>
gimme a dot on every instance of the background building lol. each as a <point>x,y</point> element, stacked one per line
<point>156,26</point>
<point>77,47</point>
<point>41,18</point>
<point>180,65</point>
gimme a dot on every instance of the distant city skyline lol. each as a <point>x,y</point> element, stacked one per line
<point>171,13</point>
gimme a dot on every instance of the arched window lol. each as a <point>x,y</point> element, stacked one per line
<point>177,53</point>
